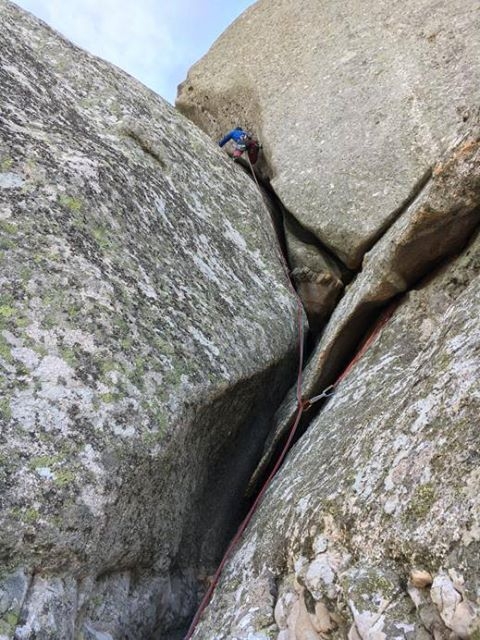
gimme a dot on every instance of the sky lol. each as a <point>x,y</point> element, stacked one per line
<point>156,41</point>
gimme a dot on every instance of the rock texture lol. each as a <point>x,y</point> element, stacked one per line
<point>371,529</point>
<point>368,113</point>
<point>146,335</point>
<point>317,276</point>
<point>437,224</point>
<point>354,103</point>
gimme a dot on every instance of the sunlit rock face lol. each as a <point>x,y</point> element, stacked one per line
<point>146,335</point>
<point>354,103</point>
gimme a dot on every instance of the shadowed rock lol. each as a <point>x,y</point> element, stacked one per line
<point>383,486</point>
<point>318,277</point>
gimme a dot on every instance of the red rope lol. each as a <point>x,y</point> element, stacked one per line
<point>367,342</point>
<point>301,406</point>
<point>206,598</point>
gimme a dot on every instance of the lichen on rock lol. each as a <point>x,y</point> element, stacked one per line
<point>381,483</point>
<point>146,334</point>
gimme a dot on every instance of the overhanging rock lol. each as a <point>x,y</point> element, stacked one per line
<point>354,103</point>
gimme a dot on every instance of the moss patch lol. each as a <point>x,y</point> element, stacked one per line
<point>5,411</point>
<point>71,203</point>
<point>421,502</point>
<point>8,624</point>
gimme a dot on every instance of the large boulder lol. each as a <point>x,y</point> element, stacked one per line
<point>437,224</point>
<point>354,103</point>
<point>146,335</point>
<point>371,529</point>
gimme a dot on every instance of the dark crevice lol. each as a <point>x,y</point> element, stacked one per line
<point>307,237</point>
<point>337,361</point>
<point>218,504</point>
<point>345,349</point>
<point>320,290</point>
<point>272,201</point>
<point>282,216</point>
<point>278,214</point>
<point>348,342</point>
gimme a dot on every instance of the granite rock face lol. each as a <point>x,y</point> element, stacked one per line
<point>368,113</point>
<point>437,224</point>
<point>354,103</point>
<point>146,335</point>
<point>317,276</point>
<point>371,529</point>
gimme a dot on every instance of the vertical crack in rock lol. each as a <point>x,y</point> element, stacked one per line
<point>317,274</point>
<point>437,224</point>
<point>147,337</point>
<point>327,531</point>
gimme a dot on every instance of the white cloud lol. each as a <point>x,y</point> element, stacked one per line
<point>154,40</point>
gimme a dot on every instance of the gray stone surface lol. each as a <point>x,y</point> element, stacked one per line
<point>354,102</point>
<point>317,276</point>
<point>437,224</point>
<point>382,488</point>
<point>146,334</point>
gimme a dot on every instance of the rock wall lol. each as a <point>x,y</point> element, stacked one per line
<point>354,103</point>
<point>368,114</point>
<point>437,224</point>
<point>146,337</point>
<point>371,529</point>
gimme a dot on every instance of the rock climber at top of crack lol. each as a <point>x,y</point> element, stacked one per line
<point>243,141</point>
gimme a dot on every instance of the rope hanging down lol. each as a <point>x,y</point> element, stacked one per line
<point>330,390</point>
<point>302,406</point>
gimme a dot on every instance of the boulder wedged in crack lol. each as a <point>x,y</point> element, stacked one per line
<point>436,225</point>
<point>353,103</point>
<point>318,277</point>
<point>371,528</point>
<point>146,335</point>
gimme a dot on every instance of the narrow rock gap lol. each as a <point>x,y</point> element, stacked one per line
<point>219,504</point>
<point>345,349</point>
<point>319,310</point>
<point>351,338</point>
<point>307,236</point>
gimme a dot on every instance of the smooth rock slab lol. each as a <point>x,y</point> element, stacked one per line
<point>146,335</point>
<point>354,103</point>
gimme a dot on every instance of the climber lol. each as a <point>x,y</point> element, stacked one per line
<point>244,141</point>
